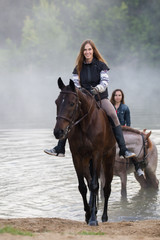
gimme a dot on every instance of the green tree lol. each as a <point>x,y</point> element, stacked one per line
<point>43,39</point>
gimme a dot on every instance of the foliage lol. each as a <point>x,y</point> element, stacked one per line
<point>91,233</point>
<point>124,31</point>
<point>14,231</point>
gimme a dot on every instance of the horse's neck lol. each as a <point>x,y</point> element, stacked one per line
<point>87,106</point>
<point>86,103</point>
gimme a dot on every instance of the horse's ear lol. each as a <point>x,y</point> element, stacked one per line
<point>60,83</point>
<point>71,84</point>
<point>148,134</point>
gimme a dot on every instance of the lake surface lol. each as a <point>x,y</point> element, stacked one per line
<point>34,184</point>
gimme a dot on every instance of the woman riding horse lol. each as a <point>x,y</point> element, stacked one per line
<point>91,73</point>
<point>123,113</point>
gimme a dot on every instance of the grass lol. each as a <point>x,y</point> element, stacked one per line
<point>14,231</point>
<point>91,233</point>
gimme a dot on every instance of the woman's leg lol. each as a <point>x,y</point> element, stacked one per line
<point>117,130</point>
<point>58,150</point>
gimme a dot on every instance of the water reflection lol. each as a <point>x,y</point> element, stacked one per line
<point>34,184</point>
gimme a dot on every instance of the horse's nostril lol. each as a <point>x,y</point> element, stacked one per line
<point>58,133</point>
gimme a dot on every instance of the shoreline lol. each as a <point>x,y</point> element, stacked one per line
<point>62,229</point>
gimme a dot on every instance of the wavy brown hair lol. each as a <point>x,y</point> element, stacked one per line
<point>80,59</point>
<point>113,95</point>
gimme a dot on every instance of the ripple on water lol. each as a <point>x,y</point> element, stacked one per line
<point>34,184</point>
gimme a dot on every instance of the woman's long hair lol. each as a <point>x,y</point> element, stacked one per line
<point>113,95</point>
<point>80,59</point>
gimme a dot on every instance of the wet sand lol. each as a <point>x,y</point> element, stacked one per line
<point>62,229</point>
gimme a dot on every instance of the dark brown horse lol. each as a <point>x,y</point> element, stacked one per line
<point>91,142</point>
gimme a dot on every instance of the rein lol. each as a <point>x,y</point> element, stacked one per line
<point>72,122</point>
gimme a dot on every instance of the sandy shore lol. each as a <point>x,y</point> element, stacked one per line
<point>62,229</point>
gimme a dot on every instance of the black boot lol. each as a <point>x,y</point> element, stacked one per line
<point>137,166</point>
<point>121,143</point>
<point>59,150</point>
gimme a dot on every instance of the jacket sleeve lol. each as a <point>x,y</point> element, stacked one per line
<point>104,79</point>
<point>75,78</point>
<point>127,117</point>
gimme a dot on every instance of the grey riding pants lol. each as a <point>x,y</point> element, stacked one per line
<point>110,111</point>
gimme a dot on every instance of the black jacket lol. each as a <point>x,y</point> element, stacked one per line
<point>90,75</point>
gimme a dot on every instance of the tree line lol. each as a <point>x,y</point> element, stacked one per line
<point>46,34</point>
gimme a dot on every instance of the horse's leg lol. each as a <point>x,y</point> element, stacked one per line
<point>123,177</point>
<point>83,191</point>
<point>141,179</point>
<point>151,180</point>
<point>108,171</point>
<point>78,165</point>
<point>94,186</point>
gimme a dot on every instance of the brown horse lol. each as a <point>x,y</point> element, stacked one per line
<point>91,142</point>
<point>147,156</point>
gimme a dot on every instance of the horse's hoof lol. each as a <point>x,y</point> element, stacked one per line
<point>87,217</point>
<point>104,219</point>
<point>93,223</point>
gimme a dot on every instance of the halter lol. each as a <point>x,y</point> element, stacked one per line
<point>72,121</point>
<point>145,155</point>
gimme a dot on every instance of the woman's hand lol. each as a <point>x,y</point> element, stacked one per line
<point>94,90</point>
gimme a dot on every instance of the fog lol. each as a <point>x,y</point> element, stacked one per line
<point>28,100</point>
<point>28,96</point>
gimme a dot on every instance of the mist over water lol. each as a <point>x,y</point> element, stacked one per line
<point>35,184</point>
<point>28,100</point>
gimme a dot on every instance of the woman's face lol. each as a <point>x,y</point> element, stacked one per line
<point>88,53</point>
<point>118,97</point>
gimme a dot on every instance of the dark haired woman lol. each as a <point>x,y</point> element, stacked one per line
<point>122,110</point>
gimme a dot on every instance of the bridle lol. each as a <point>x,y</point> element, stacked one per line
<point>72,121</point>
<point>145,151</point>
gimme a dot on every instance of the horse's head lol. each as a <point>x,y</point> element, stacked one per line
<point>67,105</point>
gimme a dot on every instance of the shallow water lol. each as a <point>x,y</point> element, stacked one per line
<point>34,184</point>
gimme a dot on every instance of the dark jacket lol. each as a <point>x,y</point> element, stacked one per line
<point>123,114</point>
<point>90,75</point>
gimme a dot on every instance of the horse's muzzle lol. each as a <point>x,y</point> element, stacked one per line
<point>59,134</point>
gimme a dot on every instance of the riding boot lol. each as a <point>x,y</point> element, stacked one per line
<point>58,150</point>
<point>61,145</point>
<point>121,143</point>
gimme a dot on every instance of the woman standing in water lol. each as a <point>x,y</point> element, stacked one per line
<point>91,73</point>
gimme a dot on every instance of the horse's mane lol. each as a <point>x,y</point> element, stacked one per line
<point>129,129</point>
<point>87,93</point>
